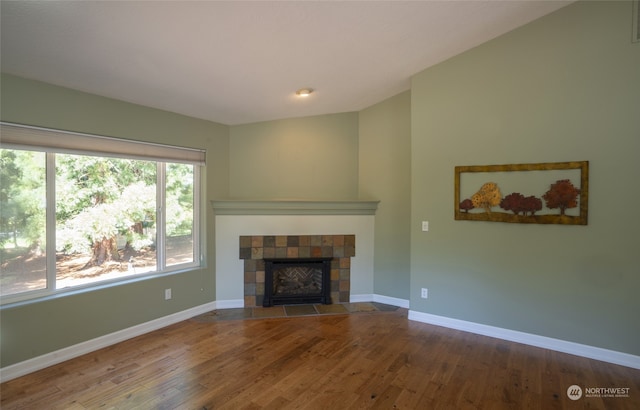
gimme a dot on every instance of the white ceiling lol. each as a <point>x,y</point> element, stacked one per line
<point>238,62</point>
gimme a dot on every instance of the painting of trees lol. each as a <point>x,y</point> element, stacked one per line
<point>466,205</point>
<point>516,202</point>
<point>532,204</point>
<point>513,202</point>
<point>562,195</point>
<point>488,196</point>
<point>569,191</point>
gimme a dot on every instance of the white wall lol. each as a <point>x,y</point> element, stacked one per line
<point>230,268</point>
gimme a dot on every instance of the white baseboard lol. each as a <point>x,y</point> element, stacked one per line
<point>591,352</point>
<point>229,304</point>
<point>388,300</point>
<point>59,356</point>
<point>360,298</point>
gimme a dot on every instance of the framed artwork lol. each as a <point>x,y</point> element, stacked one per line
<point>544,193</point>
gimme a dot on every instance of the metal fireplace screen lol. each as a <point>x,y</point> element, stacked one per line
<point>296,281</point>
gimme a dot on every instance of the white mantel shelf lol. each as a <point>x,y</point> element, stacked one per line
<point>294,207</point>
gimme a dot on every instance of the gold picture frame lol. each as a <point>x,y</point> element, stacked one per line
<point>549,193</point>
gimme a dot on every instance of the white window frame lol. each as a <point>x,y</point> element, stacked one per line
<point>52,142</point>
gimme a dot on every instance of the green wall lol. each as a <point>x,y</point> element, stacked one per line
<point>33,329</point>
<point>299,158</point>
<point>385,175</point>
<point>562,88</point>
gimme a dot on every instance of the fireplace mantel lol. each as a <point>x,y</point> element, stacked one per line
<point>294,207</point>
<point>236,218</point>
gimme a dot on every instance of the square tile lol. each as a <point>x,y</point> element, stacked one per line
<point>249,289</point>
<point>305,240</point>
<point>249,277</point>
<point>331,309</point>
<point>256,253</point>
<point>249,265</point>
<point>349,251</point>
<point>300,310</point>
<point>249,300</point>
<point>245,253</point>
<point>350,240</point>
<point>360,307</point>
<point>274,311</point>
<point>269,252</point>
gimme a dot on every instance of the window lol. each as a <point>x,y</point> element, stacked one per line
<point>22,221</point>
<point>79,210</point>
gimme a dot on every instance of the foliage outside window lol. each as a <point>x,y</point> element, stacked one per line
<point>110,218</point>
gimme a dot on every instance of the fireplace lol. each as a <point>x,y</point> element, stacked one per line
<point>336,249</point>
<point>295,281</point>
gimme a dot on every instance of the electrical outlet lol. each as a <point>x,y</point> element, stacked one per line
<point>167,294</point>
<point>425,226</point>
<point>425,293</point>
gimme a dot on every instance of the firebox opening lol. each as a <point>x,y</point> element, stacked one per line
<point>296,281</point>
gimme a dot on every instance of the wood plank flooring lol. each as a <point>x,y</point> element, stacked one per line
<point>374,360</point>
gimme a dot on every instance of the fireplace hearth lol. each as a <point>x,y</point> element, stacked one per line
<point>297,280</point>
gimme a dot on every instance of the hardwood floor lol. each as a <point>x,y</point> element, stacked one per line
<point>375,360</point>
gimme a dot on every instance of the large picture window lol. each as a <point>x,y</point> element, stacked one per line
<point>75,217</point>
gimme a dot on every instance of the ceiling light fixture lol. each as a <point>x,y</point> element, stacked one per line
<point>304,92</point>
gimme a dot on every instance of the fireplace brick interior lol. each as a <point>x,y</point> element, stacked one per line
<point>253,250</point>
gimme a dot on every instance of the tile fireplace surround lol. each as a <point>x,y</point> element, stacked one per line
<point>253,250</point>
